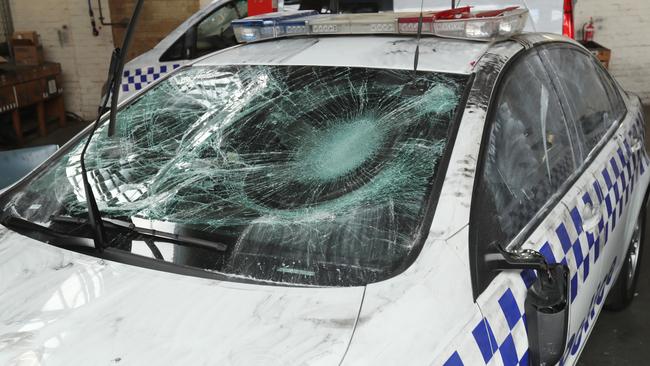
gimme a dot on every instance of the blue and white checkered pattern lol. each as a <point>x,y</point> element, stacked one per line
<point>501,336</point>
<point>136,79</point>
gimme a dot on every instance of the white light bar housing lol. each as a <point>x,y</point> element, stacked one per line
<point>453,23</point>
<point>483,28</point>
<point>355,24</point>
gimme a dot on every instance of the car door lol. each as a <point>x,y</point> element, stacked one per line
<point>211,33</point>
<point>597,94</point>
<point>611,144</point>
<point>529,168</point>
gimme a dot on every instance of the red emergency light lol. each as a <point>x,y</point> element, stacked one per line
<point>258,7</point>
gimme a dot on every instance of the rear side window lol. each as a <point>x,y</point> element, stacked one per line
<point>591,100</point>
<point>529,153</point>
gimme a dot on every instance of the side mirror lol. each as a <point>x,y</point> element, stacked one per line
<point>547,314</point>
<point>546,304</point>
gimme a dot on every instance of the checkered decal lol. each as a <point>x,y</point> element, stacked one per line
<point>137,79</point>
<point>501,336</point>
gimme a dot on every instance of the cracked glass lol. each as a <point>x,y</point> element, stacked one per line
<point>306,175</point>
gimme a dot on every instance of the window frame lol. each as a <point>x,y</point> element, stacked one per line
<point>189,38</point>
<point>478,248</point>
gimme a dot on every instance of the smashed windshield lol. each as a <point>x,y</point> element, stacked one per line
<point>307,175</point>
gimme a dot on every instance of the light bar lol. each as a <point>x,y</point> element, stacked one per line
<point>507,24</point>
<point>355,24</point>
<point>409,25</point>
<point>266,26</point>
<point>452,23</point>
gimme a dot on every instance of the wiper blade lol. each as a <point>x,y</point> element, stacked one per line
<point>68,241</point>
<point>155,234</point>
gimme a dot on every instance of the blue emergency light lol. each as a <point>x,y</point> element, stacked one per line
<point>270,25</point>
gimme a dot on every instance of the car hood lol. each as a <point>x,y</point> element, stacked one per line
<point>63,308</point>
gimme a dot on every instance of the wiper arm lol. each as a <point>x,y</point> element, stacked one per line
<point>114,77</point>
<point>155,234</point>
<point>114,88</point>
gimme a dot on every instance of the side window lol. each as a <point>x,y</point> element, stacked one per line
<point>529,152</point>
<point>175,52</point>
<point>215,32</point>
<point>592,101</point>
<point>211,34</point>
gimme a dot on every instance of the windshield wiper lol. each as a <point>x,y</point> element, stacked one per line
<point>43,233</point>
<point>114,77</point>
<point>183,240</point>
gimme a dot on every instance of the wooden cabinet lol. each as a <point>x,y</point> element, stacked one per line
<point>29,87</point>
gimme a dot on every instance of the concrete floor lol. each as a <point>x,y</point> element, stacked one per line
<point>623,338</point>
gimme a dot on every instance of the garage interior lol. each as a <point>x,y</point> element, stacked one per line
<point>56,55</point>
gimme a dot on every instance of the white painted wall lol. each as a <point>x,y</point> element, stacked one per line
<point>623,26</point>
<point>204,3</point>
<point>83,57</point>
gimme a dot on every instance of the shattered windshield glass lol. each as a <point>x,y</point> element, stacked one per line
<point>308,175</point>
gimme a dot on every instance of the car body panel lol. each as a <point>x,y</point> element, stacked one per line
<point>434,296</point>
<point>593,257</point>
<point>62,308</point>
<point>395,52</point>
<point>426,315</point>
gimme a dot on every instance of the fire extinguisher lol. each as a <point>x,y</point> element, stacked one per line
<point>588,31</point>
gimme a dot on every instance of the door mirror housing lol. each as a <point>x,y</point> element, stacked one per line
<point>546,305</point>
<point>547,314</point>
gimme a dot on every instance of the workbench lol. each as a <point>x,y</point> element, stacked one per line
<point>28,87</point>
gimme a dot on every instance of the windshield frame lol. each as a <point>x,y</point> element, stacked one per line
<point>429,206</point>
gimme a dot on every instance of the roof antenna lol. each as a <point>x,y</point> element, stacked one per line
<point>114,79</point>
<point>415,88</point>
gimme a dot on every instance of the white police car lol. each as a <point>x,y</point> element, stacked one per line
<point>313,200</point>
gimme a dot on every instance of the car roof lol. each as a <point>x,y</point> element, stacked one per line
<point>389,52</point>
<point>437,54</point>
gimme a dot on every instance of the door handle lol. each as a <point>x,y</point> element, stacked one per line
<point>637,145</point>
<point>591,217</point>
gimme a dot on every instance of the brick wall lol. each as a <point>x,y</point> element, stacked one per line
<point>623,26</point>
<point>64,26</point>
<point>159,17</point>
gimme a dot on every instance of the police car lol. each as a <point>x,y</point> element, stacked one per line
<point>319,195</point>
<point>210,30</point>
